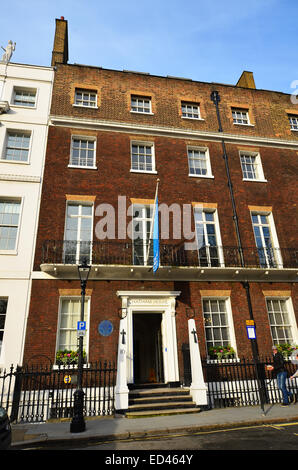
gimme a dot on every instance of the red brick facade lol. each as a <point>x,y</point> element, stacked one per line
<point>114,127</point>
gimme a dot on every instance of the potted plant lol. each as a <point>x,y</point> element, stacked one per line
<point>68,357</point>
<point>286,349</point>
<point>221,352</point>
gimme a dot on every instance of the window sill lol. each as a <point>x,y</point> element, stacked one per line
<point>242,124</point>
<point>142,112</point>
<point>201,176</point>
<point>223,360</point>
<point>69,366</point>
<point>255,181</point>
<point>8,252</point>
<point>144,171</point>
<point>83,167</point>
<point>12,105</point>
<point>192,118</point>
<point>14,162</point>
<point>82,106</point>
<point>294,130</point>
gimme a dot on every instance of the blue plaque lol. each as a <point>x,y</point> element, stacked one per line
<point>105,328</point>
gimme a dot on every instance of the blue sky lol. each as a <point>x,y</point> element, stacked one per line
<point>205,41</point>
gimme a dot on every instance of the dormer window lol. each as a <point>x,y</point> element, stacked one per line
<point>86,98</point>
<point>141,104</point>
<point>240,116</point>
<point>293,122</point>
<point>190,110</point>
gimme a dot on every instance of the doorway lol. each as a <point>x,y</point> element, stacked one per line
<point>147,348</point>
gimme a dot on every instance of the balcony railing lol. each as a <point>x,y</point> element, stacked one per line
<point>133,253</point>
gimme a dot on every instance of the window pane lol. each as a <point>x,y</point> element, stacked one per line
<point>69,316</point>
<point>216,324</point>
<point>17,148</point>
<point>9,219</point>
<point>279,320</point>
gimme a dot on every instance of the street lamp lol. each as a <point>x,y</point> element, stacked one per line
<point>78,422</point>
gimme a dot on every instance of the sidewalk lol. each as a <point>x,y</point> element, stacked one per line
<point>118,427</point>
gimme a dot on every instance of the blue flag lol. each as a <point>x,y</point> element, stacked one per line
<point>155,238</point>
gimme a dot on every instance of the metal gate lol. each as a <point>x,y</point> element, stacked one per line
<point>38,393</point>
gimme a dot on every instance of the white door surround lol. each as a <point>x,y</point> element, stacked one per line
<point>162,302</point>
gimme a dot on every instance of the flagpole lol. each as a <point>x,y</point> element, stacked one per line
<point>152,224</point>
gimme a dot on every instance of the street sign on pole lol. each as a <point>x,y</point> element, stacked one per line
<point>81,328</point>
<point>251,329</point>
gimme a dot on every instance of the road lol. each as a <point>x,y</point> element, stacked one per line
<point>273,437</point>
<point>263,437</point>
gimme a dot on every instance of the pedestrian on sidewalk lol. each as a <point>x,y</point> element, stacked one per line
<point>281,375</point>
<point>296,373</point>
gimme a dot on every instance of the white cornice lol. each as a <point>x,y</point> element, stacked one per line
<point>20,178</point>
<point>135,293</point>
<point>131,128</point>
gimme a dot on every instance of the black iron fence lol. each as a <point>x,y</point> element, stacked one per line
<point>239,382</point>
<point>133,252</point>
<point>40,393</point>
<point>244,382</point>
<point>37,394</point>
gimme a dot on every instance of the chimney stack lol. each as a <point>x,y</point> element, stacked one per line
<point>246,80</point>
<point>60,49</point>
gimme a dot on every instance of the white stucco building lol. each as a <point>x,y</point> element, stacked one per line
<point>25,97</point>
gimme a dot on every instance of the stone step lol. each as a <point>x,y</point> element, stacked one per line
<point>156,413</point>
<point>150,385</point>
<point>158,392</point>
<point>160,406</point>
<point>159,399</point>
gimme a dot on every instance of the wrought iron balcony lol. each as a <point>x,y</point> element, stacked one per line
<point>133,253</point>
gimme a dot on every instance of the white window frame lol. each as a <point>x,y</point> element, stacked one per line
<point>244,116</point>
<point>141,107</point>
<point>9,131</point>
<point>230,322</point>
<point>204,223</point>
<point>291,315</point>
<point>258,168</point>
<point>277,258</point>
<point>86,318</point>
<point>293,119</point>
<point>145,144</point>
<point>205,150</point>
<point>78,253</point>
<point>3,329</point>
<point>194,111</point>
<point>143,220</point>
<point>80,103</point>
<point>20,201</point>
<point>24,89</point>
<point>87,139</point>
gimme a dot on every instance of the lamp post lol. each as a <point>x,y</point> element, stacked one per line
<point>78,422</point>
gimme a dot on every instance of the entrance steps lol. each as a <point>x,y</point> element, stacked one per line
<point>150,400</point>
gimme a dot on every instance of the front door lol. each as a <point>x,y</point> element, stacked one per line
<point>147,348</point>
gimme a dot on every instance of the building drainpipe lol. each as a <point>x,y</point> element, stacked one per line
<point>215,97</point>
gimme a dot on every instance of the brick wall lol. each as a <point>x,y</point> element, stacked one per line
<point>268,113</point>
<point>267,110</point>
<point>44,309</point>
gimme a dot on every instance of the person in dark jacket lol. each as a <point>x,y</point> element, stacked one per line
<point>281,376</point>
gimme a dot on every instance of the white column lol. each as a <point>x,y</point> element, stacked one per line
<point>121,392</point>
<point>198,388</point>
